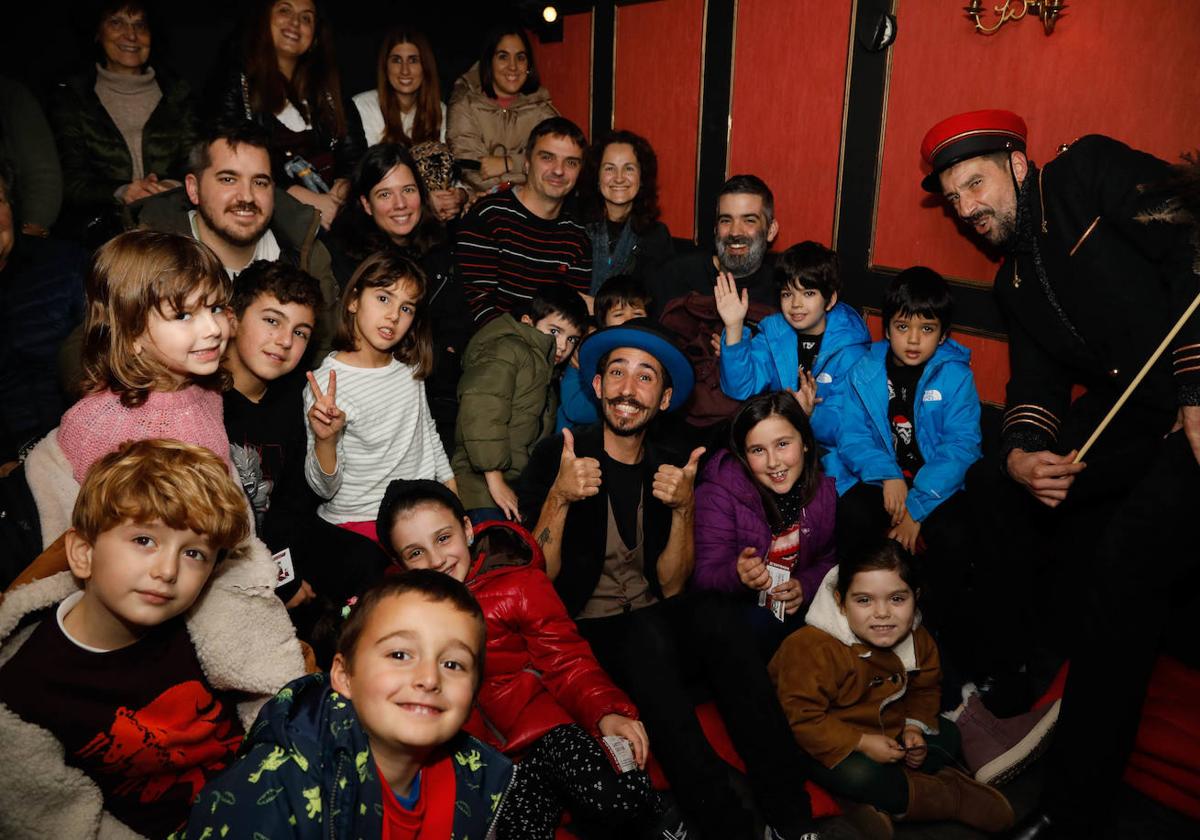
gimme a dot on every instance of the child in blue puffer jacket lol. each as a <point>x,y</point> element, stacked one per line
<point>807,348</point>
<point>909,432</point>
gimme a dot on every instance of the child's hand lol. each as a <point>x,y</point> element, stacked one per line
<point>303,595</point>
<point>502,494</point>
<point>630,729</point>
<point>915,748</point>
<point>805,392</point>
<point>325,418</point>
<point>715,344</point>
<point>732,305</point>
<point>906,532</point>
<point>752,571</point>
<point>895,491</point>
<point>790,594</point>
<point>880,748</point>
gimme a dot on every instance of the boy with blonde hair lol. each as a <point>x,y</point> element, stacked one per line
<point>126,683</point>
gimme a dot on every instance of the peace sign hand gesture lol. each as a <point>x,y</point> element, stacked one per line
<point>325,418</point>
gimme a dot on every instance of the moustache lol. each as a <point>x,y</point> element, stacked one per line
<point>738,240</point>
<point>979,215</point>
<point>632,403</point>
<point>242,207</point>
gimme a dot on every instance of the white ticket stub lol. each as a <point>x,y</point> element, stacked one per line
<point>620,753</point>
<point>779,575</point>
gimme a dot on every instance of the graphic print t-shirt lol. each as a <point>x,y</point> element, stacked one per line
<point>902,389</point>
<point>141,721</point>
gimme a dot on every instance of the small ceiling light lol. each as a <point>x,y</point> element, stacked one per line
<point>549,14</point>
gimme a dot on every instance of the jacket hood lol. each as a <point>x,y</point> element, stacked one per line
<point>843,327</point>
<point>825,614</point>
<point>303,714</point>
<point>500,546</point>
<point>947,352</point>
<point>508,325</point>
<point>294,223</point>
<point>467,86</point>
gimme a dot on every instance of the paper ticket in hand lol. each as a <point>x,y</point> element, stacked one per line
<point>620,753</point>
<point>286,572</point>
<point>779,575</point>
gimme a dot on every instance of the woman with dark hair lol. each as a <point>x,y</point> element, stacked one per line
<point>494,106</point>
<point>386,208</point>
<point>765,517</point>
<point>619,195</point>
<point>124,127</point>
<point>406,105</point>
<point>288,82</point>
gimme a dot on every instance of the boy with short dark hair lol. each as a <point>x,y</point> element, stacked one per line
<point>807,348</point>
<point>374,748</point>
<point>125,677</point>
<point>507,400</point>
<point>621,298</point>
<point>272,313</point>
<point>909,433</point>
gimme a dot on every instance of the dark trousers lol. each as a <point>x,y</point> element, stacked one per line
<point>885,786</point>
<point>567,768</point>
<point>1144,557</point>
<point>338,563</point>
<point>654,654</point>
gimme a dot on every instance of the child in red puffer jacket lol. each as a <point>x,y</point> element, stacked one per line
<point>543,696</point>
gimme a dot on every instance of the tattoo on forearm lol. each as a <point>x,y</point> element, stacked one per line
<point>543,539</point>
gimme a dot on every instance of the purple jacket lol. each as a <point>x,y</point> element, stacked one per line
<point>730,516</point>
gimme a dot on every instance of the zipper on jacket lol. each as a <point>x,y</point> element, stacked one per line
<point>337,775</point>
<point>512,780</point>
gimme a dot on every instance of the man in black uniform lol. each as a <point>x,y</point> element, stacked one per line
<point>1093,279</point>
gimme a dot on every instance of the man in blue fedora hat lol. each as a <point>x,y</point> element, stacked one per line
<point>613,512</point>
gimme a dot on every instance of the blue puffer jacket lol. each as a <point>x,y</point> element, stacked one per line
<point>306,771</point>
<point>769,362</point>
<point>945,416</point>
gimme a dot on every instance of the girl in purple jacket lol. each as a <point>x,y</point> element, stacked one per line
<point>765,517</point>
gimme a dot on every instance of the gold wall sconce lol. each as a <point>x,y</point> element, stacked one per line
<point>1047,10</point>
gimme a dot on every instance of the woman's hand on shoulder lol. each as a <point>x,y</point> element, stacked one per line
<point>751,569</point>
<point>629,729</point>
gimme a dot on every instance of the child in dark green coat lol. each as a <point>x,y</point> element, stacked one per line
<point>374,749</point>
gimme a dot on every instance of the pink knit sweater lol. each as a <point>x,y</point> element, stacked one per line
<point>98,424</point>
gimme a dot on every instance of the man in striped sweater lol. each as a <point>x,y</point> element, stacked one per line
<point>517,241</point>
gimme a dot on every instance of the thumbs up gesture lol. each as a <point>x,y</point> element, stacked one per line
<point>673,485</point>
<point>578,477</point>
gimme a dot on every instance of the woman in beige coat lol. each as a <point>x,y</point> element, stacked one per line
<point>493,108</point>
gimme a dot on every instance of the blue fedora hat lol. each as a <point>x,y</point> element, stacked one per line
<point>646,335</point>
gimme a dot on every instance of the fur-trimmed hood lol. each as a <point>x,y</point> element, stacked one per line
<point>244,641</point>
<point>825,614</point>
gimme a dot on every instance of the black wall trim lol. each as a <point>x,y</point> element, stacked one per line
<point>975,309</point>
<point>720,20</point>
<point>604,21</point>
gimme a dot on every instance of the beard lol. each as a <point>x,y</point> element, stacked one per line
<point>623,427</point>
<point>742,265</point>
<point>232,235</point>
<point>1004,226</point>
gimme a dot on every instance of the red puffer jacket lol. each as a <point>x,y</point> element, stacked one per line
<point>538,672</point>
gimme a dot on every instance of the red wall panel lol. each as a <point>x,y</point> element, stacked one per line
<point>989,360</point>
<point>1125,69</point>
<point>789,87</point>
<point>566,69</point>
<point>657,94</point>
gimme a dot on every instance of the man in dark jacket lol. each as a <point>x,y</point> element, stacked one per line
<point>746,227</point>
<point>1093,280</point>
<point>614,516</point>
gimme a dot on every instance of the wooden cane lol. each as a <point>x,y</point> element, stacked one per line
<point>1137,380</point>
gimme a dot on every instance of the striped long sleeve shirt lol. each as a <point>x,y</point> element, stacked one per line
<point>506,254</point>
<point>389,434</point>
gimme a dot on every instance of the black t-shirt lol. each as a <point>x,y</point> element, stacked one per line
<point>902,388</point>
<point>807,348</point>
<point>624,483</point>
<point>141,721</point>
<point>268,446</point>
